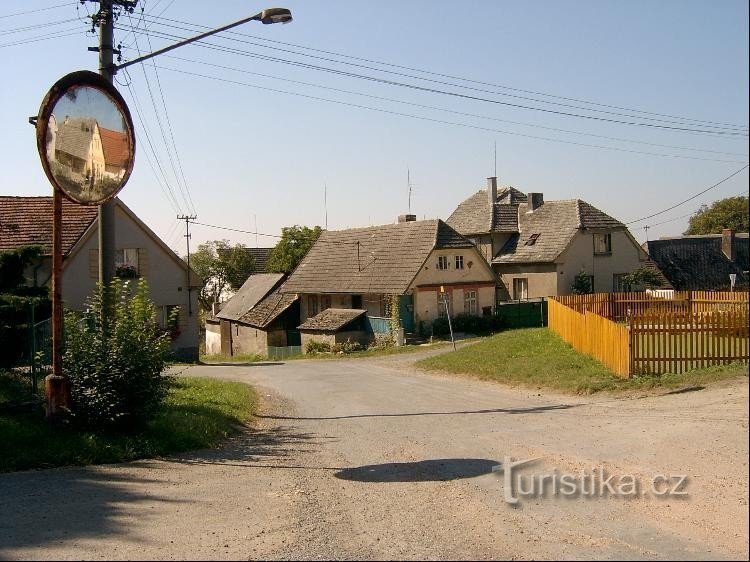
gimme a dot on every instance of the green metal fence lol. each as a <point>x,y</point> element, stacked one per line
<point>281,353</point>
<point>523,314</point>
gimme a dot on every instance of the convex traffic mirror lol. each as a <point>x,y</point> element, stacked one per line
<point>84,134</point>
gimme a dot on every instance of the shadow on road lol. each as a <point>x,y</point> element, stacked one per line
<point>421,471</point>
<point>529,410</point>
<point>240,364</point>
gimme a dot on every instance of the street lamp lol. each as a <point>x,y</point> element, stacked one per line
<point>267,16</point>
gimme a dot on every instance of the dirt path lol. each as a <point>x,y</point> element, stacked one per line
<point>365,459</point>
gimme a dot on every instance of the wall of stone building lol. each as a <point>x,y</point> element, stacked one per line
<point>323,337</point>
<point>427,306</point>
<point>541,279</point>
<point>247,340</point>
<point>213,338</point>
<point>332,338</point>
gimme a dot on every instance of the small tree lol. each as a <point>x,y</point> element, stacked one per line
<point>731,212</point>
<point>582,284</point>
<point>221,267</point>
<point>642,277</point>
<point>295,242</point>
<point>115,365</point>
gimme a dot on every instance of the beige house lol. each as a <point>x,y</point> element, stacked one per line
<point>258,316</point>
<point>538,247</point>
<point>363,268</point>
<point>140,253</point>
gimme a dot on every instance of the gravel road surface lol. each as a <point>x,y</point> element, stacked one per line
<point>369,459</point>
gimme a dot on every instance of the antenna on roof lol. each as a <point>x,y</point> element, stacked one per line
<point>255,218</point>
<point>409,185</point>
<point>495,174</point>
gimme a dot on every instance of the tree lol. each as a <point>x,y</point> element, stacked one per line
<point>295,242</point>
<point>731,212</point>
<point>582,284</point>
<point>642,277</point>
<point>222,267</point>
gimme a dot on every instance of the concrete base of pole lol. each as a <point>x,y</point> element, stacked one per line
<point>57,391</point>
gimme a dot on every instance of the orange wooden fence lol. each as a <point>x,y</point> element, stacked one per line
<point>695,330</point>
<point>593,335</point>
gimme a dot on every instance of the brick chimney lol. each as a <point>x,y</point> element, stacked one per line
<point>407,218</point>
<point>534,201</point>
<point>492,190</point>
<point>727,243</point>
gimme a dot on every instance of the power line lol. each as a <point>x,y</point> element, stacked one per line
<point>672,118</point>
<point>242,231</point>
<point>691,198</point>
<point>465,114</point>
<point>56,35</point>
<point>35,26</point>
<point>445,92</point>
<point>35,11</point>
<point>444,122</point>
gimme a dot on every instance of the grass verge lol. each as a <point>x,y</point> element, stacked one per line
<point>242,358</point>
<point>536,357</point>
<point>199,413</point>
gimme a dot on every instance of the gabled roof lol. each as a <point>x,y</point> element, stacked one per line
<point>474,216</point>
<point>115,147</point>
<point>377,259</point>
<point>698,263</point>
<point>269,309</point>
<point>555,223</point>
<point>332,319</point>
<point>255,289</point>
<point>260,255</point>
<point>74,136</point>
<point>27,221</point>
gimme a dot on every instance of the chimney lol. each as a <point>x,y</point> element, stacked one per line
<point>492,190</point>
<point>534,201</point>
<point>727,243</point>
<point>407,218</point>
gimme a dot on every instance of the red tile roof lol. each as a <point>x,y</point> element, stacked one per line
<point>115,146</point>
<point>28,221</point>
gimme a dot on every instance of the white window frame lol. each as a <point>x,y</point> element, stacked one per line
<point>442,263</point>
<point>459,262</point>
<point>520,285</point>
<point>441,304</point>
<point>602,244</point>
<point>127,256</point>
<point>471,302</point>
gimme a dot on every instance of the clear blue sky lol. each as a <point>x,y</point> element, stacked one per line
<point>249,152</point>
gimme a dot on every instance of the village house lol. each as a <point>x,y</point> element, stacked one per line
<point>359,271</point>
<point>703,262</point>
<point>140,253</point>
<point>538,247</point>
<point>258,316</point>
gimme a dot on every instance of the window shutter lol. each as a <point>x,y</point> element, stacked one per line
<point>142,262</point>
<point>94,263</point>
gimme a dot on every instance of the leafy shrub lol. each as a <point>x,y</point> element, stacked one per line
<point>317,347</point>
<point>382,341</point>
<point>467,323</point>
<point>348,346</point>
<point>115,365</point>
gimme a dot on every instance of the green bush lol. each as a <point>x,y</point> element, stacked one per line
<point>382,341</point>
<point>115,366</point>
<point>317,347</point>
<point>467,323</point>
<point>348,346</point>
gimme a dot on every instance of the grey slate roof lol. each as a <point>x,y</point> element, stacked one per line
<point>473,216</point>
<point>697,262</point>
<point>556,223</point>
<point>250,294</point>
<point>74,136</point>
<point>332,319</point>
<point>378,259</point>
<point>269,309</point>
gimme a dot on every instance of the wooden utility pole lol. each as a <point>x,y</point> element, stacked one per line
<point>187,219</point>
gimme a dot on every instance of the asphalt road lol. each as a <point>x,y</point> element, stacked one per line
<point>368,459</point>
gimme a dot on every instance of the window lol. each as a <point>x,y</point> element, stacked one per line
<point>168,317</point>
<point>459,262</point>
<point>442,262</point>
<point>520,288</point>
<point>442,298</point>
<point>325,302</point>
<point>312,305</point>
<point>126,263</point>
<point>532,240</point>
<point>618,283</point>
<point>470,303</point>
<point>602,243</point>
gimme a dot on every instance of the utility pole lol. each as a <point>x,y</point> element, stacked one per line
<point>187,219</point>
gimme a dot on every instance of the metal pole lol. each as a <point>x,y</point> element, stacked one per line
<point>448,314</point>
<point>187,219</point>
<point>106,210</point>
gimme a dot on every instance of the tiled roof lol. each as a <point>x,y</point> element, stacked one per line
<point>260,255</point>
<point>332,319</point>
<point>473,216</point>
<point>250,294</point>
<point>74,136</point>
<point>28,221</point>
<point>505,218</point>
<point>378,259</point>
<point>511,196</point>
<point>698,263</point>
<point>115,147</point>
<point>555,223</point>
<point>269,309</point>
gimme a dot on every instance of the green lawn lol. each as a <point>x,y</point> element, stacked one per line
<point>538,358</point>
<point>199,413</point>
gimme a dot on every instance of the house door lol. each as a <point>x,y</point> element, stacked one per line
<point>406,313</point>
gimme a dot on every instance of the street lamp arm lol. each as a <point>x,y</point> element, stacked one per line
<point>268,16</point>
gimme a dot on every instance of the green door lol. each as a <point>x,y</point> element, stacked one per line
<point>406,313</point>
